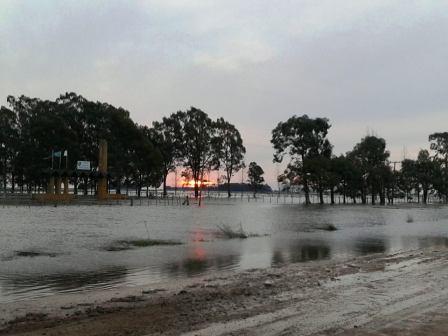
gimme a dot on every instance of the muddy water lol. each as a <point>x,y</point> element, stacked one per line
<point>46,250</point>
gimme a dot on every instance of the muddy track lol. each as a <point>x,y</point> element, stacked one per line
<point>371,295</point>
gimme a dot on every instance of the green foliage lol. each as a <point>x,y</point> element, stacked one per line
<point>196,139</point>
<point>439,144</point>
<point>229,150</point>
<point>304,140</point>
<point>9,135</point>
<point>371,156</point>
<point>201,144</point>
<point>165,137</point>
<point>255,176</point>
<point>75,124</point>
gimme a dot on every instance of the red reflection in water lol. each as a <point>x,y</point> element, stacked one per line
<point>199,253</point>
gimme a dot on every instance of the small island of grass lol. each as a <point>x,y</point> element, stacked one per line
<point>120,245</point>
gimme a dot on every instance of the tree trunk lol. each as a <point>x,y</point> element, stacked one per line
<point>86,179</point>
<point>75,186</point>
<point>382,197</point>
<point>321,196</point>
<point>228,186</point>
<point>363,195</point>
<point>118,186</point>
<point>139,186</point>
<point>306,189</point>
<point>13,182</point>
<point>196,189</point>
<point>229,177</point>
<point>332,195</point>
<point>165,175</point>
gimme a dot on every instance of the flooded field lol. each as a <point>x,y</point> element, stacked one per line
<point>45,250</point>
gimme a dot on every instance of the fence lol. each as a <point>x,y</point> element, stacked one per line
<point>179,198</point>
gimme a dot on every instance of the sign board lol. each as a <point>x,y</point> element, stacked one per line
<point>83,165</point>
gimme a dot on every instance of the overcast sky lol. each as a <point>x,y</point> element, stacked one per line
<point>369,66</point>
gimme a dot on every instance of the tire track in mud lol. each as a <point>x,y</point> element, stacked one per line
<point>358,304</point>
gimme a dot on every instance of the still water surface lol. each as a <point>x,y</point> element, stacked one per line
<point>72,241</point>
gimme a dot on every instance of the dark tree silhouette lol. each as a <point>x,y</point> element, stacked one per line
<point>303,139</point>
<point>255,177</point>
<point>371,155</point>
<point>165,136</point>
<point>75,124</point>
<point>8,141</point>
<point>439,144</point>
<point>229,150</point>
<point>197,141</point>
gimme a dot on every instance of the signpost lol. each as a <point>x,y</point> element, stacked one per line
<point>83,165</point>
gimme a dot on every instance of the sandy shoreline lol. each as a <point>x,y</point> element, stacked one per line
<point>399,294</point>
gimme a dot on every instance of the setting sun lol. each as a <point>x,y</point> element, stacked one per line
<point>191,183</point>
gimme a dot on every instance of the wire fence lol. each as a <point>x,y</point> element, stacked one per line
<point>186,198</point>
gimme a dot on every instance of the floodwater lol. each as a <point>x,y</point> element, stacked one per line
<point>46,250</point>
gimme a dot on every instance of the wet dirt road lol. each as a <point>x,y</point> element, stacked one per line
<point>400,294</point>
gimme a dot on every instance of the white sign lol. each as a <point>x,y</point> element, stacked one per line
<point>83,165</point>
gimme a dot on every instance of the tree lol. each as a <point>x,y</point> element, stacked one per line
<point>164,135</point>
<point>426,171</point>
<point>408,176</point>
<point>197,141</point>
<point>318,170</point>
<point>439,144</point>
<point>75,124</point>
<point>8,141</point>
<point>229,150</point>
<point>371,155</point>
<point>255,177</point>
<point>303,139</point>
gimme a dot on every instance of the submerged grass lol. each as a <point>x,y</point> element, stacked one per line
<point>328,227</point>
<point>227,232</point>
<point>121,245</point>
<point>152,242</point>
<point>33,254</point>
<point>230,233</point>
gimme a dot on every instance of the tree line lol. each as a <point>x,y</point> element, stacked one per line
<point>364,171</point>
<point>32,130</point>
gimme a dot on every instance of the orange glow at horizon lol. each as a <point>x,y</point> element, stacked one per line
<point>203,183</point>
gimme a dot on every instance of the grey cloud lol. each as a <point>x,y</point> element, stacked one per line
<point>363,64</point>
